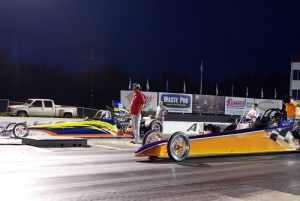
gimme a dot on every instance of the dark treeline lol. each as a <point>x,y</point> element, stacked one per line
<point>20,81</point>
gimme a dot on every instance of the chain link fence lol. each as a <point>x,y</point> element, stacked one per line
<point>15,103</point>
<point>86,112</point>
<point>3,104</point>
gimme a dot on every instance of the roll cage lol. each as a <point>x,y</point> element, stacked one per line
<point>264,121</point>
<point>266,117</point>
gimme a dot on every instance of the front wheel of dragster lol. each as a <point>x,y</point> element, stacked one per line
<point>20,130</point>
<point>152,136</point>
<point>178,146</point>
<point>9,128</point>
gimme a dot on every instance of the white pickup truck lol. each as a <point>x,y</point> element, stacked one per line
<point>41,108</point>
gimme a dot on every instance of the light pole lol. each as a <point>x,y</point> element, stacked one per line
<point>201,71</point>
<point>92,78</point>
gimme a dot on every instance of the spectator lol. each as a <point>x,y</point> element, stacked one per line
<point>253,113</point>
<point>161,111</point>
<point>251,116</point>
<point>136,106</point>
<point>290,107</point>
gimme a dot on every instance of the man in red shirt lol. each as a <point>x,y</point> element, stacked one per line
<point>136,106</point>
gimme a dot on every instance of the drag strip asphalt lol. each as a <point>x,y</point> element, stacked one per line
<point>108,170</point>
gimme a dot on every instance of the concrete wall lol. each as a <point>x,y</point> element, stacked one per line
<point>200,118</point>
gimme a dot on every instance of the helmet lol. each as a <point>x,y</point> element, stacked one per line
<point>287,99</point>
<point>275,115</point>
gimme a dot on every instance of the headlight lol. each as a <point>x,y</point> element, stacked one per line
<point>13,110</point>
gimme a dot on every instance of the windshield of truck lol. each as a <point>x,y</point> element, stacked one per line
<point>28,102</point>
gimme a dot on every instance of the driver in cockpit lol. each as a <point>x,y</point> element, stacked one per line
<point>274,120</point>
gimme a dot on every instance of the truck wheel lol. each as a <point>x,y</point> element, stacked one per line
<point>178,146</point>
<point>22,114</point>
<point>67,115</point>
<point>20,130</point>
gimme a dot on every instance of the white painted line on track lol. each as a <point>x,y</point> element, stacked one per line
<point>109,147</point>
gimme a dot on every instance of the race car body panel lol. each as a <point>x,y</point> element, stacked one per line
<point>96,127</point>
<point>90,128</point>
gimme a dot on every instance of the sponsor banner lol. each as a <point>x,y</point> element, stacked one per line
<point>207,104</point>
<point>238,106</point>
<point>177,103</point>
<point>264,104</point>
<point>150,102</point>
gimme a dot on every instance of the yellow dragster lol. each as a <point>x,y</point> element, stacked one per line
<point>264,135</point>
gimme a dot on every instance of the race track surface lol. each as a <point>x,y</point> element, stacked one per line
<point>108,171</point>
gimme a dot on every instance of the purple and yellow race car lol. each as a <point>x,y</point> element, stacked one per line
<point>267,134</point>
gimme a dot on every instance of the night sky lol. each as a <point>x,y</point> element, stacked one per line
<point>148,37</point>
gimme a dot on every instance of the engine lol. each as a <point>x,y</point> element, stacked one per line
<point>123,122</point>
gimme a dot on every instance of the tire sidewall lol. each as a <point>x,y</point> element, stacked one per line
<point>170,142</point>
<point>14,130</point>
<point>67,115</point>
<point>148,134</point>
<point>155,122</point>
<point>22,114</point>
<point>9,125</point>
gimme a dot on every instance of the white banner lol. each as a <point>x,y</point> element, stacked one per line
<point>189,128</point>
<point>177,103</point>
<point>264,104</point>
<point>238,106</point>
<point>151,99</point>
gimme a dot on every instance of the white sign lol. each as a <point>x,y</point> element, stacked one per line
<point>150,102</point>
<point>179,103</point>
<point>264,104</point>
<point>238,106</point>
<point>189,128</point>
